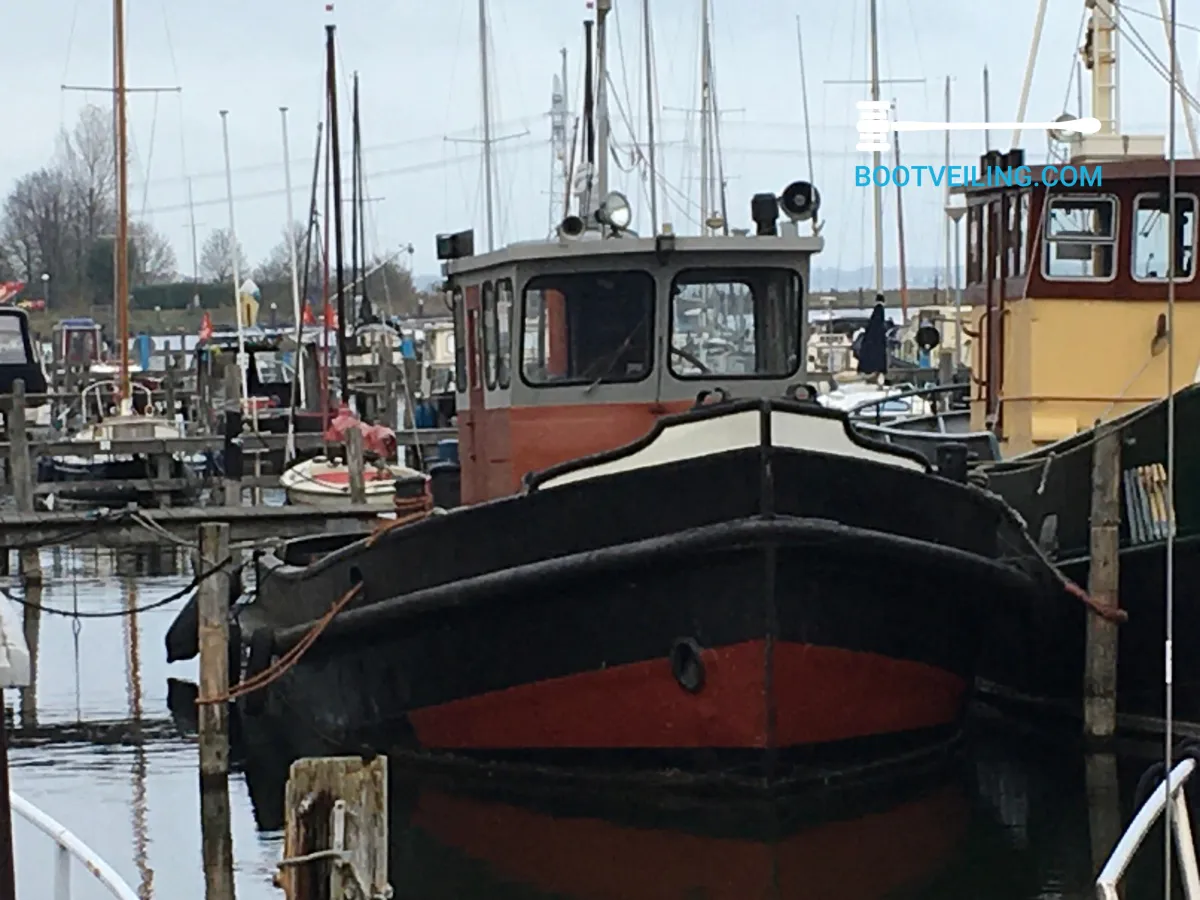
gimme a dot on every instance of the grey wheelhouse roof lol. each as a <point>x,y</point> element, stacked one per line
<point>590,248</point>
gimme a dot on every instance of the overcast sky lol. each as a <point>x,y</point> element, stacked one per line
<point>421,113</point>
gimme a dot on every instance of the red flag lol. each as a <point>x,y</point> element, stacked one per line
<point>206,328</point>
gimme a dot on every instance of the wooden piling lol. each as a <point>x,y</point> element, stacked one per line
<point>335,803</point>
<point>213,718</point>
<point>387,377</point>
<point>356,463</point>
<point>1100,655</point>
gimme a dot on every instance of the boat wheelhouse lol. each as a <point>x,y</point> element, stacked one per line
<point>570,348</point>
<point>1069,290</point>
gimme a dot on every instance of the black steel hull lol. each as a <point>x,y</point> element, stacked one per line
<point>1035,661</point>
<point>758,610</point>
<point>76,482</point>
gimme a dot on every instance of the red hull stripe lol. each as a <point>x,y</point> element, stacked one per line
<point>824,694</point>
<point>586,857</point>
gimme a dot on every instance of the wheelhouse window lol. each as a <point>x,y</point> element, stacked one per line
<point>587,328</point>
<point>12,342</point>
<point>1152,233</point>
<point>736,323</point>
<point>1080,238</point>
<point>460,341</point>
<point>491,350</point>
<point>503,330</point>
<point>1018,230</point>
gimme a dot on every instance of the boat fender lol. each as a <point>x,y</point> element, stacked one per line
<point>262,648</point>
<point>801,391</point>
<point>1156,774</point>
<point>183,641</point>
<point>711,396</point>
<point>686,665</point>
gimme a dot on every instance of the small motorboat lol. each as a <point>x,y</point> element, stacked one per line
<point>322,481</point>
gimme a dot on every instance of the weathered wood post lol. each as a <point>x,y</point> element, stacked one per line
<point>1100,657</point>
<point>356,463</point>
<point>213,718</point>
<point>387,376</point>
<point>336,803</point>
<point>30,561</point>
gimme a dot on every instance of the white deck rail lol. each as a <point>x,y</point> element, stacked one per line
<point>67,846</point>
<point>1127,847</point>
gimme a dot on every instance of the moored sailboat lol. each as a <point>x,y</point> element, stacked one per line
<point>115,478</point>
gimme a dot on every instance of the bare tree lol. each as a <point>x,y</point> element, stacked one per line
<point>37,226</point>
<point>87,158</point>
<point>217,256</point>
<point>154,259</point>
<point>277,267</point>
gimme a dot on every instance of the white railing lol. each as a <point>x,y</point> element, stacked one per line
<point>1127,847</point>
<point>67,846</point>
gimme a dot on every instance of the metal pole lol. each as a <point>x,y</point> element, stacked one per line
<point>291,242</point>
<point>1169,643</point>
<point>488,171</point>
<point>947,201</point>
<point>1029,64</point>
<point>602,129</point>
<point>233,257</point>
<point>877,157</point>
<point>649,45</point>
<point>8,885</point>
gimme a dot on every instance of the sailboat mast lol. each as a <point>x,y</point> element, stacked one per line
<point>355,201</point>
<point>488,172</point>
<point>876,190</point>
<point>704,114</point>
<point>121,292</point>
<point>602,126</point>
<point>649,49</point>
<point>336,159</point>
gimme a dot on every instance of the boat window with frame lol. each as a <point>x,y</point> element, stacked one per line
<point>1080,238</point>
<point>587,328</point>
<point>1151,233</point>
<point>502,322</point>
<point>488,323</point>
<point>12,342</point>
<point>460,340</point>
<point>736,323</point>
<point>474,350</point>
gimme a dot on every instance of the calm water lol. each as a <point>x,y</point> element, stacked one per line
<point>1013,822</point>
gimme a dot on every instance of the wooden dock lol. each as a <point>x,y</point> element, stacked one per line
<point>155,527</point>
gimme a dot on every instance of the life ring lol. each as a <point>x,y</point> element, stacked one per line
<point>687,666</point>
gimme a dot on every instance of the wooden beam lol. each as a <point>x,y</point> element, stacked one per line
<point>118,529</point>
<point>428,437</point>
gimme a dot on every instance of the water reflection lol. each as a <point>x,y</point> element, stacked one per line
<point>1017,820</point>
<point>133,669</point>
